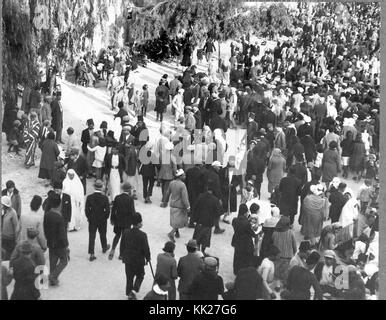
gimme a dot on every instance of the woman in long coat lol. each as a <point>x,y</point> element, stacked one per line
<point>167,168</point>
<point>242,240</point>
<point>331,163</point>
<point>161,100</point>
<point>276,169</point>
<point>187,55</point>
<point>50,153</point>
<point>284,239</point>
<point>228,191</point>
<point>357,160</point>
<point>268,229</point>
<point>314,209</point>
<point>179,204</point>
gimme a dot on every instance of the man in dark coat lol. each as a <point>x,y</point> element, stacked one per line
<point>207,173</point>
<point>262,137</point>
<point>148,171</point>
<point>295,152</point>
<point>252,128</point>
<point>216,122</point>
<point>188,267</point>
<point>262,148</point>
<point>305,128</point>
<point>135,255</point>
<point>206,212</point>
<point>300,170</point>
<point>97,212</point>
<point>255,171</point>
<point>289,188</point>
<point>79,164</point>
<point>213,107</point>
<point>337,200</point>
<point>309,146</point>
<point>211,174</point>
<point>228,188</point>
<point>242,240</point>
<point>188,95</point>
<point>57,242</point>
<point>193,185</point>
<point>57,117</point>
<point>268,117</point>
<point>237,76</point>
<point>65,208</point>
<point>122,215</point>
<point>86,135</point>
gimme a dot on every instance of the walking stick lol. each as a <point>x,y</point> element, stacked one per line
<point>229,199</point>
<point>230,176</point>
<point>107,184</point>
<point>151,268</point>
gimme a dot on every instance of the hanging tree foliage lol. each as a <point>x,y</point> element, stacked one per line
<point>178,17</point>
<point>221,19</point>
<point>70,23</point>
<point>19,51</point>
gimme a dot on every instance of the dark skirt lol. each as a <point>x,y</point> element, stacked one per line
<point>203,235</point>
<point>186,60</point>
<point>160,106</point>
<point>241,260</point>
<point>45,173</point>
<point>25,292</point>
<point>267,242</point>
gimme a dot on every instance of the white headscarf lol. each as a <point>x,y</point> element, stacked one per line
<point>349,211</point>
<point>74,187</point>
<point>335,182</point>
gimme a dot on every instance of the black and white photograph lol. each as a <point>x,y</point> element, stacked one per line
<point>190,150</point>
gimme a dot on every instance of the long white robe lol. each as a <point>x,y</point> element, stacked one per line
<point>349,213</point>
<point>74,188</point>
<point>115,179</point>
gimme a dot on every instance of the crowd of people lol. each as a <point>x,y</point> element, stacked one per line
<point>310,108</point>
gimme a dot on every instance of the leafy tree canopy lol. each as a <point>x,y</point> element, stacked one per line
<point>178,17</point>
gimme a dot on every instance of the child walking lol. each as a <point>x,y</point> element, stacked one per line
<point>100,153</point>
